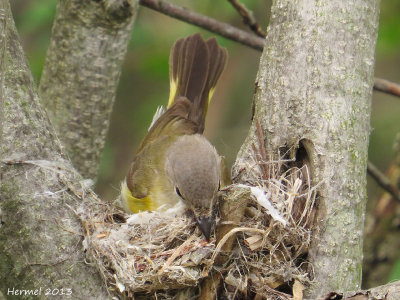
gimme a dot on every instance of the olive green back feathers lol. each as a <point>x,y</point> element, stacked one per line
<point>174,161</point>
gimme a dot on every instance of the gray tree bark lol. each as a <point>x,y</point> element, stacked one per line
<point>314,88</point>
<point>389,291</point>
<point>40,233</point>
<point>81,73</point>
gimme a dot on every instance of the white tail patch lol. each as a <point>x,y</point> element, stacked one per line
<point>160,110</point>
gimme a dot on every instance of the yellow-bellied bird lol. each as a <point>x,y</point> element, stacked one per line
<point>175,161</point>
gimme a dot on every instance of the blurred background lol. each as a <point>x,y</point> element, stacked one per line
<point>144,85</point>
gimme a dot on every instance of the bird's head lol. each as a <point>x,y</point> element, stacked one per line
<point>193,167</point>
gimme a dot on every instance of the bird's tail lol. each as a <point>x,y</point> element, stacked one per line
<point>195,67</point>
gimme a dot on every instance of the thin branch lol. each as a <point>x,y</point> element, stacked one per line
<point>237,35</point>
<point>389,291</point>
<point>223,29</point>
<point>248,17</point>
<point>383,181</point>
<point>387,86</point>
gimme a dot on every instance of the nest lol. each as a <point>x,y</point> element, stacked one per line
<point>262,253</point>
<point>151,251</point>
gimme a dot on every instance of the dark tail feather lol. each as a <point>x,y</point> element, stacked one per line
<point>217,61</point>
<point>189,61</point>
<point>195,67</point>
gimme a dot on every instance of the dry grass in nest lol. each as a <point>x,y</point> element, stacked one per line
<point>271,254</point>
<point>150,252</point>
<point>158,255</point>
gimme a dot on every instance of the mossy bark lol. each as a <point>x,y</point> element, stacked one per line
<point>80,77</point>
<point>40,233</point>
<point>314,88</point>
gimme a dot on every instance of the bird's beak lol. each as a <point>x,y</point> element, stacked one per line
<point>205,224</point>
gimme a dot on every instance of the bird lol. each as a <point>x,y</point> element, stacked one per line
<point>174,161</point>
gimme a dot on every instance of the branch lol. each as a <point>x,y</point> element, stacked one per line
<point>234,34</point>
<point>80,77</point>
<point>386,86</point>
<point>248,17</point>
<point>383,181</point>
<point>389,291</point>
<point>188,16</point>
<point>41,242</point>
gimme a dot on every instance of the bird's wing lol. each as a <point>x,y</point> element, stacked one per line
<point>148,163</point>
<point>174,122</point>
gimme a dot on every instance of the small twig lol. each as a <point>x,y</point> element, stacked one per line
<point>237,35</point>
<point>248,17</point>
<point>223,29</point>
<point>387,87</point>
<point>383,181</point>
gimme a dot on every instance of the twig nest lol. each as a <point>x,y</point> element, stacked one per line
<point>147,252</point>
<point>263,232</point>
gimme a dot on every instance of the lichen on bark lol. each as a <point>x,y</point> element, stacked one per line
<point>80,77</point>
<point>40,236</point>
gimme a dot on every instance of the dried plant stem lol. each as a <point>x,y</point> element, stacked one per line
<point>232,211</point>
<point>227,237</point>
<point>248,17</point>
<point>175,254</point>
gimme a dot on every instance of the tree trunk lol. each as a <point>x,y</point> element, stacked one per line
<point>313,90</point>
<point>81,73</point>
<point>40,236</point>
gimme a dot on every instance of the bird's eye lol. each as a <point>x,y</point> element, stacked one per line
<point>178,192</point>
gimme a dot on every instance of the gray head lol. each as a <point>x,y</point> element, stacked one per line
<point>193,167</point>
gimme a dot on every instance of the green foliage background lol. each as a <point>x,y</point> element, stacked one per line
<point>144,82</point>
